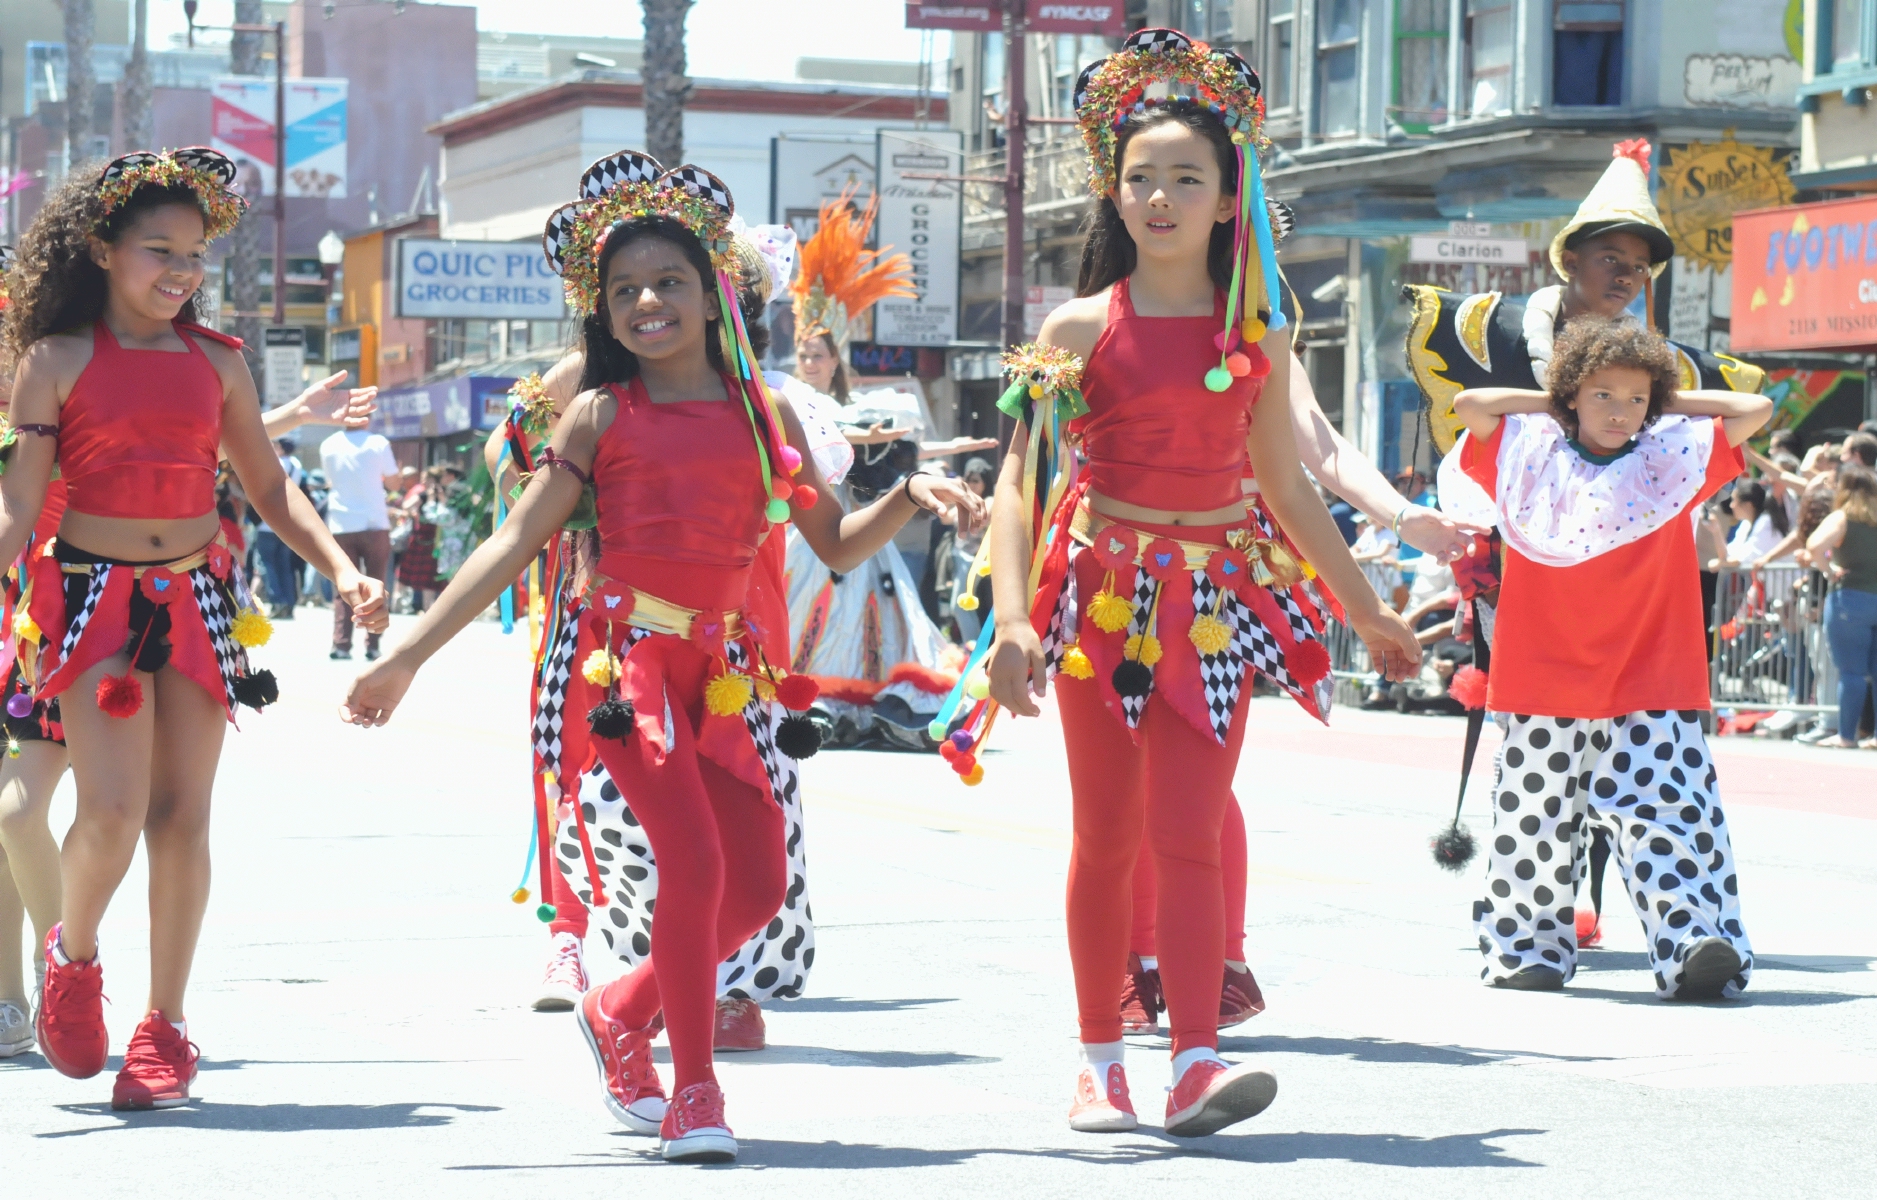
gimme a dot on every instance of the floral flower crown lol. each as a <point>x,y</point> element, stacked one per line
<point>1112,89</point>
<point>208,173</point>
<point>6,264</point>
<point>628,186</point>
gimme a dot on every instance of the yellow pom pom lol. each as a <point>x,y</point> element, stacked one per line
<point>1208,634</point>
<point>519,895</point>
<point>967,603</point>
<point>1075,664</point>
<point>1309,572</point>
<point>1111,613</point>
<point>978,686</point>
<point>1145,647</point>
<point>252,628</point>
<point>1036,391</point>
<point>728,694</point>
<point>600,668</point>
<point>984,568</point>
<point>765,690</point>
<point>974,777</point>
<point>1253,329</point>
<point>25,628</point>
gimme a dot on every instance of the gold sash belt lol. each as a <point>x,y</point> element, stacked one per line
<point>1271,563</point>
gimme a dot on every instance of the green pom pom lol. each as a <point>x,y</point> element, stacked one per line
<point>545,912</point>
<point>777,511</point>
<point>1218,379</point>
<point>936,730</point>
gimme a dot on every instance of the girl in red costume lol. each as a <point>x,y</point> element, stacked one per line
<point>136,616</point>
<point>1154,590</point>
<point>689,460</point>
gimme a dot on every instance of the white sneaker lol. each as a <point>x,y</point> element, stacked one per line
<point>566,979</point>
<point>16,1031</point>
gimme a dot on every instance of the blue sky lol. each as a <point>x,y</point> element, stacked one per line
<point>745,39</point>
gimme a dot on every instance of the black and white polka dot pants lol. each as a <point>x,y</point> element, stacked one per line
<point>1647,778</point>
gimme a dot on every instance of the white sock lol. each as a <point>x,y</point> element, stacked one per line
<point>1188,1058</point>
<point>1241,968</point>
<point>1097,1054</point>
<point>59,957</point>
<point>181,1027</point>
<point>1150,963</point>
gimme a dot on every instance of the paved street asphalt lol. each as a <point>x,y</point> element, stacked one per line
<point>360,994</point>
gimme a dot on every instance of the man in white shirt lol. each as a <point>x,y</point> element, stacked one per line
<point>359,468</point>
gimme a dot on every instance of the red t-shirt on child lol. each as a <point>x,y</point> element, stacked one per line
<point>1618,633</point>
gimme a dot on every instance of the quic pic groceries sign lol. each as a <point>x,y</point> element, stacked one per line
<point>1805,277</point>
<point>476,281</point>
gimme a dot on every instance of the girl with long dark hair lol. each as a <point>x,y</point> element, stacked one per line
<point>687,461</point>
<point>1154,591</point>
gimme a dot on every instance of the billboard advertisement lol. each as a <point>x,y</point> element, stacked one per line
<point>924,220</point>
<point>1805,277</point>
<point>477,281</point>
<point>442,408</point>
<point>242,127</point>
<point>808,170</point>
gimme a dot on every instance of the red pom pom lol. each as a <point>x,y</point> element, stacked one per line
<point>1238,364</point>
<point>1308,662</point>
<point>947,751</point>
<point>797,692</point>
<point>1468,686</point>
<point>781,488</point>
<point>120,695</point>
<point>962,763</point>
<point>805,497</point>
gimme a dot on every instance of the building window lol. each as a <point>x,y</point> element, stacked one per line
<point>1339,58</point>
<point>1278,50</point>
<point>1071,52</point>
<point>1587,52</point>
<point>991,83</point>
<point>1421,28</point>
<point>1850,41</point>
<point>1208,20</point>
<point>1488,66</point>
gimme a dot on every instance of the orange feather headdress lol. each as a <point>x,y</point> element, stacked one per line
<point>840,277</point>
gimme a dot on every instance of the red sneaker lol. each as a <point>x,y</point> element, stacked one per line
<point>1212,1095</point>
<point>739,1025</point>
<point>159,1066</point>
<point>71,1014</point>
<point>1589,928</point>
<point>566,978</point>
<point>1141,1001</point>
<point>1102,1105</point>
<point>694,1129</point>
<point>633,1094</point>
<point>1239,1000</point>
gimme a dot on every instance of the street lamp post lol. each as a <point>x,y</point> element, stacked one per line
<point>279,31</point>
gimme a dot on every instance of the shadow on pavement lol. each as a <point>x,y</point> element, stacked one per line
<point>842,1004</point>
<point>273,1118</point>
<point>1381,1050</point>
<point>1751,998</point>
<point>829,1056</point>
<point>1376,1149</point>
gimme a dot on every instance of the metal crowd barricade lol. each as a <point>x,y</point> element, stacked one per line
<point>1769,641</point>
<point>1349,661</point>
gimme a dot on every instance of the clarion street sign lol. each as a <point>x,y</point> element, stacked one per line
<point>1446,248</point>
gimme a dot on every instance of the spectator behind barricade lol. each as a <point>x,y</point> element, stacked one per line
<point>279,564</point>
<point>1860,448</point>
<point>417,566</point>
<point>359,467</point>
<point>980,477</point>
<point>1375,550</point>
<point>1761,527</point>
<point>1845,544</point>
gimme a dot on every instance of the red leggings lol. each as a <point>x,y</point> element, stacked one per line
<point>570,912</point>
<point>722,871</point>
<point>1174,786</point>
<point>1232,867</point>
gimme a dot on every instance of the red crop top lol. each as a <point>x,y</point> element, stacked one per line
<point>1154,435</point>
<point>140,435</point>
<point>680,498</point>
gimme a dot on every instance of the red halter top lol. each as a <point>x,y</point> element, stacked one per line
<point>140,435</point>
<point>680,498</point>
<point>1154,435</point>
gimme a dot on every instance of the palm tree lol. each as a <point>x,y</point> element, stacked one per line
<point>662,70</point>
<point>81,82</point>
<point>137,127</point>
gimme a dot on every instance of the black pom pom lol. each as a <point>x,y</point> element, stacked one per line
<point>612,718</point>
<point>153,654</point>
<point>257,689</point>
<point>798,737</point>
<point>1453,848</point>
<point>1133,678</point>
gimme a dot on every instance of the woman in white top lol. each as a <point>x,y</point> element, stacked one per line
<point>1762,525</point>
